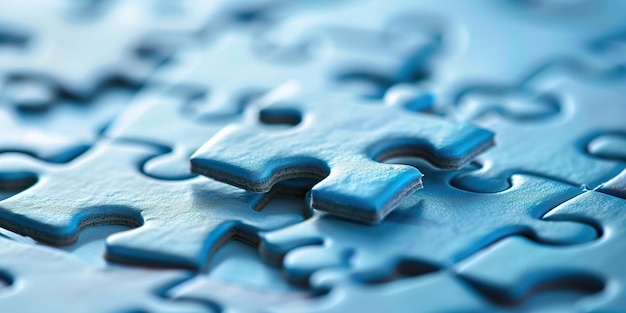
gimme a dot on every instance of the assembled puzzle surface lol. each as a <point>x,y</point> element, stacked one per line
<point>312,156</point>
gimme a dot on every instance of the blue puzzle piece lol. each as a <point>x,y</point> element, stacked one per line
<point>516,264</point>
<point>341,141</point>
<point>558,145</point>
<point>64,53</point>
<point>437,224</point>
<point>63,132</point>
<point>433,292</point>
<point>181,223</point>
<point>40,278</point>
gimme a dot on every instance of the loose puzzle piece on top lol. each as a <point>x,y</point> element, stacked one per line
<point>180,223</point>
<point>339,140</point>
<point>61,51</point>
<point>434,224</point>
<point>554,147</point>
<point>517,264</point>
<point>39,277</point>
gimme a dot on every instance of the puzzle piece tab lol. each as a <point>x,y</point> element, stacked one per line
<point>40,277</point>
<point>517,264</point>
<point>181,223</point>
<point>434,224</point>
<point>341,141</point>
<point>616,186</point>
<point>291,22</point>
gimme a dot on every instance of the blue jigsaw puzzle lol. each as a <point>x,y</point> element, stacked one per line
<point>312,156</point>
